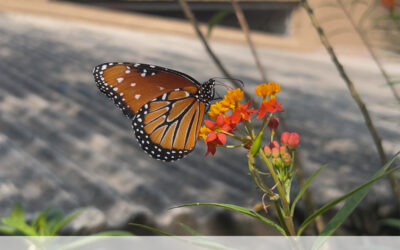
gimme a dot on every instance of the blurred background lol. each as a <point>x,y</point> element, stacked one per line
<point>63,145</point>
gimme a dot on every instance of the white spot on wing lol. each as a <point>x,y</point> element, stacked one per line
<point>133,84</point>
<point>120,79</point>
<point>127,71</point>
<point>137,96</point>
<point>161,88</point>
<point>103,67</point>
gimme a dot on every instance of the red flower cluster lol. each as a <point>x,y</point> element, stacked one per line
<point>242,113</point>
<point>225,124</point>
<point>217,135</point>
<point>271,106</point>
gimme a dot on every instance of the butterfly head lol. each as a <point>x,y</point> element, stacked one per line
<point>206,91</point>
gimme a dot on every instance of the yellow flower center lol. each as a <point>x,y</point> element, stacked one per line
<point>203,132</point>
<point>230,101</point>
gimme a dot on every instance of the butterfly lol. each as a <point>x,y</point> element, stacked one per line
<point>166,106</point>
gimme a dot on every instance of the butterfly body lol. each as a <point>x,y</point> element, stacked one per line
<point>166,106</point>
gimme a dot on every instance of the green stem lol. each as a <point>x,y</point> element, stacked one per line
<point>280,217</point>
<point>249,130</point>
<point>260,184</point>
<point>233,146</point>
<point>280,188</point>
<point>234,136</point>
<point>288,219</point>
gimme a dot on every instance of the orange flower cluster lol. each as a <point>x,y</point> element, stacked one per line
<point>229,112</point>
<point>269,103</point>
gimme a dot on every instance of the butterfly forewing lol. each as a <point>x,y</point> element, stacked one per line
<point>163,104</point>
<point>133,85</point>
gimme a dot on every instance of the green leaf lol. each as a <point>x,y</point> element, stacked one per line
<point>36,222</point>
<point>202,243</point>
<point>152,229</point>
<point>304,188</point>
<point>240,210</point>
<point>256,145</point>
<point>394,82</point>
<point>391,222</point>
<point>53,217</point>
<point>42,225</point>
<point>61,223</point>
<point>20,226</point>
<point>7,230</point>
<point>336,201</point>
<point>189,229</point>
<point>352,203</point>
<point>18,213</point>
<point>216,19</point>
<point>114,233</point>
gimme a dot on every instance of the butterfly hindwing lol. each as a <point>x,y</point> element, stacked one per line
<point>168,126</point>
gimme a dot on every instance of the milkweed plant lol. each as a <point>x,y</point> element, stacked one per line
<point>231,118</point>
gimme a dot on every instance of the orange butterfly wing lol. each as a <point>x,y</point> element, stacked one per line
<point>132,85</point>
<point>162,103</point>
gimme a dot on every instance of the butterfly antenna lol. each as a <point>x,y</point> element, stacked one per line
<point>218,98</point>
<point>228,78</point>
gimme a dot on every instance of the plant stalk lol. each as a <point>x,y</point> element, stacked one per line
<point>372,53</point>
<point>263,187</point>
<point>190,16</point>
<point>285,204</point>
<point>354,94</point>
<point>245,27</point>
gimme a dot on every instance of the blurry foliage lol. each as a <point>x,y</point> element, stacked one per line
<point>377,24</point>
<point>395,223</point>
<point>216,19</point>
<point>378,20</point>
<point>47,223</point>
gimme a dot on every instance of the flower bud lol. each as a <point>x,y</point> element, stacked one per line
<point>294,141</point>
<point>275,152</point>
<point>284,138</point>
<point>267,151</point>
<point>274,144</point>
<point>287,159</point>
<point>277,162</point>
<point>273,124</point>
<point>283,150</point>
<point>248,146</point>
